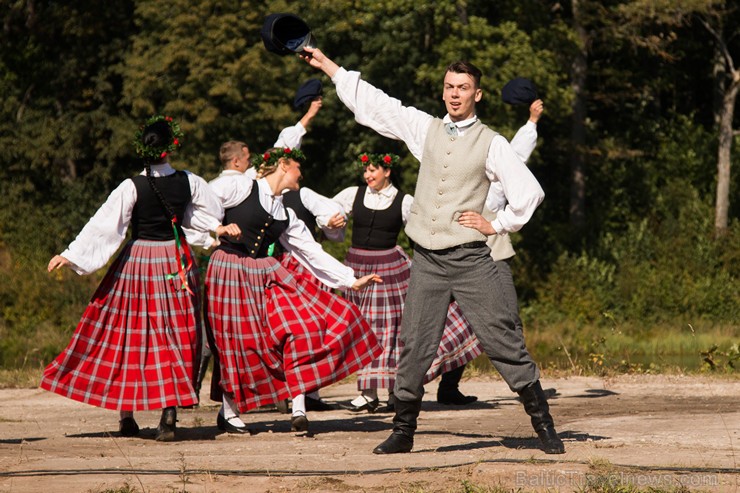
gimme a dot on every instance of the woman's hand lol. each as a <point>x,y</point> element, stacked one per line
<point>473,220</point>
<point>56,262</point>
<point>365,281</point>
<point>337,221</point>
<point>232,230</point>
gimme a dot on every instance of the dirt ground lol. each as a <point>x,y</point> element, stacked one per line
<point>648,431</point>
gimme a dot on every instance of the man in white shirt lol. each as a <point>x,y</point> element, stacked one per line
<point>459,158</point>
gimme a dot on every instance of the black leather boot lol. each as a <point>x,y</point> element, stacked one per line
<point>535,404</point>
<point>167,425</point>
<point>448,392</point>
<point>404,426</point>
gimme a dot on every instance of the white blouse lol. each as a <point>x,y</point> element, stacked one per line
<point>374,200</point>
<point>106,230</point>
<point>233,187</point>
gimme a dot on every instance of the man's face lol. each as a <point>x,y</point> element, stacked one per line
<point>460,95</point>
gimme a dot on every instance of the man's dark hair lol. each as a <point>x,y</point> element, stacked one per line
<point>462,67</point>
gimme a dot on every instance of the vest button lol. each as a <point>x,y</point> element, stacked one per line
<point>252,252</point>
<point>259,237</point>
<point>434,219</point>
<point>448,153</point>
<point>445,165</point>
<point>262,230</point>
<point>432,232</point>
<point>256,244</point>
<point>440,192</point>
<point>443,179</point>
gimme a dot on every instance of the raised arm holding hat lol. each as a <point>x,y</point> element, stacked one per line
<point>459,158</point>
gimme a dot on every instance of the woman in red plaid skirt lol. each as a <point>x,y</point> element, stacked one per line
<point>380,210</point>
<point>276,338</point>
<point>137,343</point>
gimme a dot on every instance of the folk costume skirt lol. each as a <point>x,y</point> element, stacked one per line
<point>137,345</point>
<point>301,274</point>
<point>382,305</point>
<point>276,337</point>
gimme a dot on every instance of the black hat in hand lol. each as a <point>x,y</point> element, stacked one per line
<point>286,34</point>
<point>519,91</point>
<point>309,90</point>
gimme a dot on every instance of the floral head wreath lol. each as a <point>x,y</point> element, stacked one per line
<point>272,156</point>
<point>149,152</point>
<point>384,160</point>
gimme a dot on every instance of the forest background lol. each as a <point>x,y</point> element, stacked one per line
<point>633,258</point>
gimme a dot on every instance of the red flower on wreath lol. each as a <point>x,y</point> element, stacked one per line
<point>364,158</point>
<point>387,159</point>
<point>176,142</point>
<point>168,118</point>
<point>163,154</point>
<point>266,156</point>
<point>287,150</point>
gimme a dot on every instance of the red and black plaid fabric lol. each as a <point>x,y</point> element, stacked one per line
<point>137,346</point>
<point>382,305</point>
<point>300,273</point>
<point>275,337</point>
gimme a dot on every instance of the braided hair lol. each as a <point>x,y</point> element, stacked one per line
<point>157,135</point>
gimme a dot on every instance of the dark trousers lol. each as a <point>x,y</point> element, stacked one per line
<point>483,288</point>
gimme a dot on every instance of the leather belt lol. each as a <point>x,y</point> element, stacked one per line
<point>442,251</point>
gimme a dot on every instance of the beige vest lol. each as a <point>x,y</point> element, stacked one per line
<point>452,180</point>
<point>500,245</point>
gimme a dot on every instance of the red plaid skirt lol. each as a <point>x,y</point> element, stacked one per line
<point>301,274</point>
<point>137,345</point>
<point>276,337</point>
<point>382,305</point>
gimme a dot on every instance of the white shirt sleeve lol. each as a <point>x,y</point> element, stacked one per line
<point>384,114</point>
<point>525,140</point>
<point>291,137</point>
<point>205,211</point>
<point>323,208</point>
<point>298,241</point>
<point>408,201</point>
<point>346,199</point>
<point>104,232</point>
<point>231,188</point>
<point>202,239</point>
<point>521,189</point>
<point>523,143</point>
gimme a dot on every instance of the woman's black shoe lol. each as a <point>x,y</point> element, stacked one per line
<point>128,427</point>
<point>319,405</point>
<point>167,425</point>
<point>369,406</point>
<point>224,425</point>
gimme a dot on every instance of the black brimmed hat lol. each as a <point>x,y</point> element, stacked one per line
<point>519,91</point>
<point>286,34</point>
<point>309,90</point>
